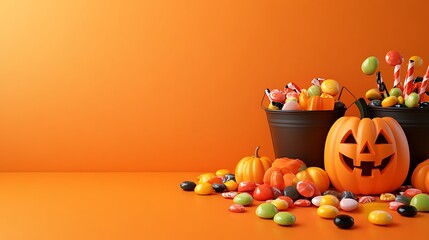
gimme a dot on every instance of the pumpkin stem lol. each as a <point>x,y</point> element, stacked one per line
<point>363,108</point>
<point>256,152</point>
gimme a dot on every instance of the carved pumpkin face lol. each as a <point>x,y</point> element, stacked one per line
<point>366,156</point>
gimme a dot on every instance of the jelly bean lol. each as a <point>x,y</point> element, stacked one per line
<point>236,208</point>
<point>222,172</point>
<point>203,188</point>
<point>316,201</point>
<point>219,187</point>
<point>229,195</point>
<point>263,192</point>
<point>266,210</point>
<point>389,101</point>
<point>292,192</point>
<point>305,188</point>
<point>205,175</point>
<point>344,221</point>
<point>348,194</point>
<point>327,211</point>
<point>205,178</point>
<point>393,58</point>
<point>394,205</point>
<point>403,199</point>
<point>420,202</point>
<point>380,217</point>
<point>246,186</point>
<point>188,185</point>
<point>231,185</point>
<point>369,65</point>
<point>332,192</point>
<point>348,204</point>
<point>280,204</point>
<point>277,192</point>
<point>387,197</point>
<point>288,200</point>
<point>284,218</point>
<point>302,203</point>
<point>407,211</point>
<point>228,177</point>
<point>367,199</point>
<point>329,200</point>
<point>244,199</point>
<point>411,192</point>
<point>215,179</point>
<point>418,61</point>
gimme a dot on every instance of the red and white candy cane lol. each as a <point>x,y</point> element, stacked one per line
<point>408,83</point>
<point>317,81</point>
<point>397,77</point>
<point>294,87</point>
<point>424,85</point>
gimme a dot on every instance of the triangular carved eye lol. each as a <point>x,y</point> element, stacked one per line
<point>381,139</point>
<point>349,138</point>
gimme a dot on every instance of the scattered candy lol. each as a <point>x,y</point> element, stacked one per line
<point>316,201</point>
<point>305,188</point>
<point>380,217</point>
<point>387,197</point>
<point>266,210</point>
<point>203,188</point>
<point>215,179</point>
<point>329,200</point>
<point>231,185</point>
<point>280,204</point>
<point>228,177</point>
<point>370,65</point>
<point>407,211</point>
<point>411,192</point>
<point>246,186</point>
<point>367,199</point>
<point>229,195</point>
<point>403,199</point>
<point>219,187</point>
<point>284,218</point>
<point>420,202</point>
<point>277,192</point>
<point>244,199</point>
<point>263,192</point>
<point>288,200</point>
<point>222,172</point>
<point>348,194</point>
<point>237,208</point>
<point>302,203</point>
<point>348,204</point>
<point>188,185</point>
<point>394,205</point>
<point>344,221</point>
<point>327,211</point>
<point>292,192</point>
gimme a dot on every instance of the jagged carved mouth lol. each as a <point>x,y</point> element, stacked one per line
<point>367,166</point>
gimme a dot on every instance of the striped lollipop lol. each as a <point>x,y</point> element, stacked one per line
<point>424,85</point>
<point>408,83</point>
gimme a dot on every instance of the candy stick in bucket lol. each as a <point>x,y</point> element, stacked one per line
<point>397,77</point>
<point>408,82</point>
<point>294,87</point>
<point>381,85</point>
<point>267,92</point>
<point>424,84</point>
<point>317,81</point>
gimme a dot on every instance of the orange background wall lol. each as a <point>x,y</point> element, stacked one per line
<point>176,85</point>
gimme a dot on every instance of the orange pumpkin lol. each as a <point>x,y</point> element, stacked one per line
<point>252,168</point>
<point>282,172</point>
<point>366,156</point>
<point>420,177</point>
<point>316,175</point>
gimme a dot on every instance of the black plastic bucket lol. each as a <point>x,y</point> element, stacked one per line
<point>415,123</point>
<point>301,134</point>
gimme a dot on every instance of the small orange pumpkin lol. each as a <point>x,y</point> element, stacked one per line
<point>366,156</point>
<point>282,172</point>
<point>420,177</point>
<point>316,175</point>
<point>252,168</point>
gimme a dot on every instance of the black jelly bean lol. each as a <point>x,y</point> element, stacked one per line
<point>228,177</point>
<point>290,191</point>
<point>332,192</point>
<point>348,194</point>
<point>375,103</point>
<point>403,199</point>
<point>219,187</point>
<point>407,210</point>
<point>188,185</point>
<point>344,221</point>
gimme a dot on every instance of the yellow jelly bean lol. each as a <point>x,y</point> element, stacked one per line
<point>389,101</point>
<point>280,204</point>
<point>222,172</point>
<point>380,217</point>
<point>231,185</point>
<point>327,211</point>
<point>418,61</point>
<point>203,188</point>
<point>329,200</point>
<point>401,100</point>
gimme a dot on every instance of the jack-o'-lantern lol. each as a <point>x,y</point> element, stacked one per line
<point>366,156</point>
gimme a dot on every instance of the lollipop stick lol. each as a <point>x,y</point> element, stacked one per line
<point>424,84</point>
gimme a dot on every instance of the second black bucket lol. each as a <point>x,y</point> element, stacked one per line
<point>301,134</point>
<point>415,123</point>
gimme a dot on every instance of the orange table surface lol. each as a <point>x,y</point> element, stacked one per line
<point>152,206</point>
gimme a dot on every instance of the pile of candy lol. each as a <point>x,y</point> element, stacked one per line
<point>319,96</point>
<point>411,94</point>
<point>273,203</point>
